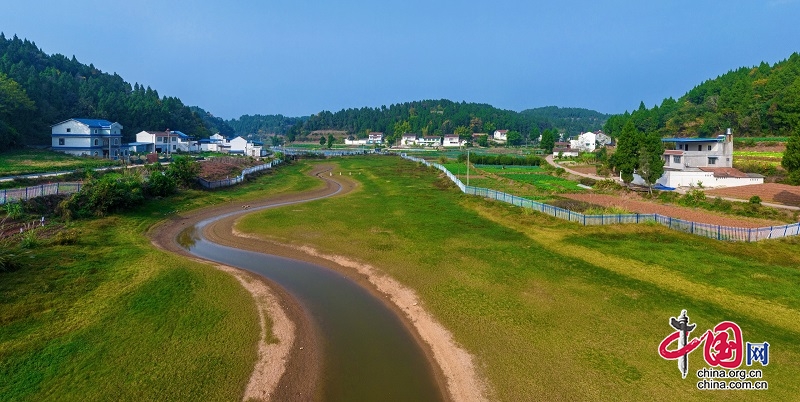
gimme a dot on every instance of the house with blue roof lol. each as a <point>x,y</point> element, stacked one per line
<point>88,137</point>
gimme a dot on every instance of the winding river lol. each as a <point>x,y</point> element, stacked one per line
<point>368,354</point>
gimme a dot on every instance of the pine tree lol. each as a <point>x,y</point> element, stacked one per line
<point>626,158</point>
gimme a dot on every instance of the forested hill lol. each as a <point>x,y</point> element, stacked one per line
<point>757,101</point>
<point>38,90</point>
<point>427,117</point>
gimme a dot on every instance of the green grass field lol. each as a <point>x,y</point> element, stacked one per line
<point>761,154</point>
<point>553,310</point>
<point>111,318</point>
<point>24,161</point>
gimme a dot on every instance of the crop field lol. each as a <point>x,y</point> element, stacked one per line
<point>24,161</point>
<point>498,177</point>
<point>553,310</point>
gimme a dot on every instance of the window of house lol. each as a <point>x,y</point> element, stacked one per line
<point>676,159</point>
<point>60,141</point>
<point>95,131</point>
<point>712,161</point>
<point>699,147</point>
<point>69,130</point>
<point>95,142</point>
<point>685,147</point>
<point>116,141</point>
<point>709,147</point>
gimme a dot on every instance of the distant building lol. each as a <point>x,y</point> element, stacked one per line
<point>708,161</point>
<point>564,149</point>
<point>167,141</point>
<point>375,138</point>
<point>408,139</point>
<point>430,141</point>
<point>452,140</point>
<point>589,141</point>
<point>500,135</point>
<point>88,137</point>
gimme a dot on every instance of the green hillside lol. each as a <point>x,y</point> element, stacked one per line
<point>758,101</point>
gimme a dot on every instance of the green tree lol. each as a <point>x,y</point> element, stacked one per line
<point>322,140</point>
<point>514,138</point>
<point>183,170</point>
<point>548,141</point>
<point>791,157</point>
<point>330,140</point>
<point>463,132</point>
<point>651,164</point>
<point>626,158</point>
<point>483,140</point>
<point>14,106</point>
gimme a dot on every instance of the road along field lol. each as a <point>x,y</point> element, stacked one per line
<point>553,310</point>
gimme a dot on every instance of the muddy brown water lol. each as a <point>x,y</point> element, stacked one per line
<point>368,354</point>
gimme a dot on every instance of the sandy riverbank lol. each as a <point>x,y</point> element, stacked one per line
<point>290,367</point>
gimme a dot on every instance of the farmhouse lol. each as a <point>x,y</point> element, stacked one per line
<point>702,161</point>
<point>589,141</point>
<point>430,141</point>
<point>408,139</point>
<point>563,149</point>
<point>500,135</point>
<point>375,138</point>
<point>452,140</point>
<point>88,137</point>
<point>167,141</point>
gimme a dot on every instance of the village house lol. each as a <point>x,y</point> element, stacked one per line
<point>355,141</point>
<point>706,162</point>
<point>88,137</point>
<point>563,150</point>
<point>452,140</point>
<point>500,136</point>
<point>589,141</point>
<point>408,139</point>
<point>375,138</point>
<point>165,142</point>
<point>430,141</point>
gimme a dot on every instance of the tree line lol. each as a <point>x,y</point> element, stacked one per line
<point>38,90</point>
<point>426,117</point>
<point>754,101</point>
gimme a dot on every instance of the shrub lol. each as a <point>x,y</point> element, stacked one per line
<point>587,181</point>
<point>755,200</point>
<point>160,185</point>
<point>13,210</point>
<point>110,193</point>
<point>184,171</point>
<point>693,198</point>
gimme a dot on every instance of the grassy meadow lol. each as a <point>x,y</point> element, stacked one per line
<point>553,310</point>
<point>103,315</point>
<point>26,161</point>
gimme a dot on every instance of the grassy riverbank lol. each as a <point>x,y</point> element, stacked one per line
<point>106,316</point>
<point>553,310</point>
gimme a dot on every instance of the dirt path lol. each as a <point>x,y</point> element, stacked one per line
<point>455,369</point>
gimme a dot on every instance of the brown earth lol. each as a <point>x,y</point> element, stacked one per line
<point>454,367</point>
<point>224,167</point>
<point>634,205</point>
<point>768,192</point>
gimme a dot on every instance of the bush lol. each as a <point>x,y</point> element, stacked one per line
<point>184,171</point>
<point>693,198</point>
<point>755,200</point>
<point>13,210</point>
<point>110,193</point>
<point>160,185</point>
<point>587,181</point>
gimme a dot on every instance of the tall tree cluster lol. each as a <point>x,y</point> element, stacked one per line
<point>639,153</point>
<point>759,101</point>
<point>38,90</point>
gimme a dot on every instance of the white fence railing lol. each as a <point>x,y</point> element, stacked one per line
<point>26,193</point>
<point>701,229</point>
<point>238,179</point>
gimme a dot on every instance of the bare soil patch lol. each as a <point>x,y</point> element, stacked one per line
<point>631,204</point>
<point>584,169</point>
<point>768,192</point>
<point>225,167</point>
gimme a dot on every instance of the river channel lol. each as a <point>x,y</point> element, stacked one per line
<point>368,353</point>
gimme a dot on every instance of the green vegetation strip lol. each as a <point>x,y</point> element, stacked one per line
<point>26,161</point>
<point>105,316</point>
<point>550,312</point>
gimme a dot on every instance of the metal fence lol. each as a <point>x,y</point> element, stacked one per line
<point>238,179</point>
<point>26,193</point>
<point>701,229</point>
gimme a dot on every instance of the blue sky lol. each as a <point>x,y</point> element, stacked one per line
<point>299,57</point>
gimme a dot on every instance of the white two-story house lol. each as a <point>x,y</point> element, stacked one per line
<point>88,137</point>
<point>452,140</point>
<point>706,162</point>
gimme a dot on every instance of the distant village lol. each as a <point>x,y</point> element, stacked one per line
<point>692,161</point>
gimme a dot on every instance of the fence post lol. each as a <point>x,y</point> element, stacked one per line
<point>719,233</point>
